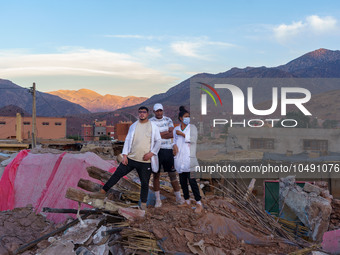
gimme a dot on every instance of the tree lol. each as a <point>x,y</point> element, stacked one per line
<point>302,120</point>
<point>104,137</point>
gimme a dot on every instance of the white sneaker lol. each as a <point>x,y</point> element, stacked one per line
<point>180,201</point>
<point>158,203</point>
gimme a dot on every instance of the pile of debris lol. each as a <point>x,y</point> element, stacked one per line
<point>232,223</point>
<point>335,215</point>
<point>105,151</point>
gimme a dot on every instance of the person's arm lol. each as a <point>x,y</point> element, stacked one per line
<point>125,151</point>
<point>168,134</point>
<point>175,147</point>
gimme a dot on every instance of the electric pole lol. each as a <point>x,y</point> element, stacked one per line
<point>34,115</point>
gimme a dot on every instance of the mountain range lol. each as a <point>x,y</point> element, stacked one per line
<point>321,63</point>
<point>46,104</point>
<point>95,102</point>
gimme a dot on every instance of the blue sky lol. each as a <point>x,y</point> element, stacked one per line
<point>142,48</point>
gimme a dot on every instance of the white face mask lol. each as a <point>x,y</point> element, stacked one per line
<point>186,120</point>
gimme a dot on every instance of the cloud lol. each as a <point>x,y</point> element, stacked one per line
<point>81,62</point>
<point>312,24</point>
<point>318,24</point>
<point>196,47</point>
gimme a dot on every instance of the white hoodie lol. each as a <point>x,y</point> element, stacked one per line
<point>156,141</point>
<point>185,159</point>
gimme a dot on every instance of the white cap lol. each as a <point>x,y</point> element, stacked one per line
<point>158,107</point>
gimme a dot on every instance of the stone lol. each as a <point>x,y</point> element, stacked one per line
<point>313,211</point>
<point>309,188</point>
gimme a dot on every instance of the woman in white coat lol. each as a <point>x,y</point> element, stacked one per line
<point>185,161</point>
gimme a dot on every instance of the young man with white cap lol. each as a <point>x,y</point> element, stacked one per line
<point>165,155</point>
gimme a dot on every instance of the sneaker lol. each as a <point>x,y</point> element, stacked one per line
<point>143,206</point>
<point>158,203</point>
<point>180,201</point>
<point>199,208</point>
<point>185,204</point>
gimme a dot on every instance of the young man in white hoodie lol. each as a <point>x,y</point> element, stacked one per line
<point>165,155</point>
<point>140,150</point>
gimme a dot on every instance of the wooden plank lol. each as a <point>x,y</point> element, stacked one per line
<point>98,174</point>
<point>92,199</point>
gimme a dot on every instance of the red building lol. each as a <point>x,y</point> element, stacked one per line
<point>96,130</point>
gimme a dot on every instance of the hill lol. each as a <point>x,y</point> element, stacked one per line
<point>47,105</point>
<point>95,102</point>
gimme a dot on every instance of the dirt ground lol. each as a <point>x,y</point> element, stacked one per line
<point>178,228</point>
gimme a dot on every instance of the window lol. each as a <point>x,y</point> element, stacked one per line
<point>27,123</point>
<point>57,123</point>
<point>2,122</point>
<point>46,123</point>
<point>317,145</point>
<point>261,143</point>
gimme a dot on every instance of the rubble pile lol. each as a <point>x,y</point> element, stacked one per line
<point>307,204</point>
<point>221,229</point>
<point>335,215</point>
<point>103,150</point>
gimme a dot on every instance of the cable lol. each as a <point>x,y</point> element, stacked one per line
<point>58,113</point>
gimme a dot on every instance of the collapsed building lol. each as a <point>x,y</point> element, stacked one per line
<point>52,194</point>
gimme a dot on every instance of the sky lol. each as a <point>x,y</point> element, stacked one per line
<point>142,48</point>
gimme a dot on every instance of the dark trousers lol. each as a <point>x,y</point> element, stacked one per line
<point>183,179</point>
<point>144,173</point>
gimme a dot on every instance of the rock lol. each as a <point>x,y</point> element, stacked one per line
<point>58,247</point>
<point>43,244</point>
<point>3,250</point>
<point>100,249</point>
<point>131,214</point>
<point>313,211</point>
<point>309,188</point>
<point>236,252</point>
<point>117,249</point>
<point>83,251</point>
<point>99,238</point>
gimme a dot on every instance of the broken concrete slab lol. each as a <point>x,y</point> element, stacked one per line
<point>99,237</point>
<point>59,247</point>
<point>100,249</point>
<point>83,251</point>
<point>313,211</point>
<point>309,188</point>
<point>80,234</point>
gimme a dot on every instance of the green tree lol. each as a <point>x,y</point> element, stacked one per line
<point>104,137</point>
<point>302,120</point>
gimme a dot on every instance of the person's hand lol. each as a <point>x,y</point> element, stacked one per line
<point>175,150</point>
<point>178,132</point>
<point>147,156</point>
<point>125,160</point>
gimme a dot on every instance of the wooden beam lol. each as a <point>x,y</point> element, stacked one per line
<point>92,199</point>
<point>98,174</point>
<point>88,185</point>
